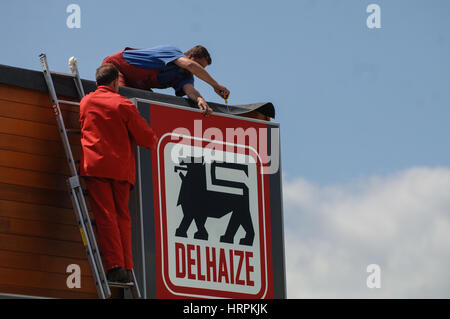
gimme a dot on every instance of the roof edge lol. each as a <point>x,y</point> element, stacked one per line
<point>34,80</point>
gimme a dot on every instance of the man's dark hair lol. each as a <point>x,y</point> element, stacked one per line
<point>199,52</point>
<point>106,74</point>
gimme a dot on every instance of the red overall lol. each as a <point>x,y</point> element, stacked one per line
<point>107,122</point>
<point>133,76</point>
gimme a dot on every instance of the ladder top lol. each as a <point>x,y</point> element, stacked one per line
<point>69,102</point>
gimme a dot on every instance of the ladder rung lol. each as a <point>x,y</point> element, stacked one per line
<point>73,131</point>
<point>69,102</point>
<point>63,74</point>
<point>121,284</point>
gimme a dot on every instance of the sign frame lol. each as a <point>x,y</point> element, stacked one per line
<point>146,250</point>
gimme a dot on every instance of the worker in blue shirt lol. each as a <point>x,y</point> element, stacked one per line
<point>166,66</point>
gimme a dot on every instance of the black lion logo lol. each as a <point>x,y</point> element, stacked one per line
<point>198,203</point>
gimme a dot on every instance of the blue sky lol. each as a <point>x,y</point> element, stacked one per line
<point>352,101</point>
<point>364,115</point>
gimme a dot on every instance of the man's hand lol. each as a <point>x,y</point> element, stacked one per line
<point>202,105</point>
<point>200,72</point>
<point>193,94</point>
<point>222,91</point>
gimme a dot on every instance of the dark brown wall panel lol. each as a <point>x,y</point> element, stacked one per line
<point>39,236</point>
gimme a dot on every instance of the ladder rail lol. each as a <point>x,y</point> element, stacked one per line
<point>87,245</point>
<point>58,115</point>
<point>91,234</point>
<point>83,212</point>
<point>73,66</point>
<point>135,289</point>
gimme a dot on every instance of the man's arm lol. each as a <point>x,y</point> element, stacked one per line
<point>195,96</point>
<point>200,72</point>
<point>138,127</point>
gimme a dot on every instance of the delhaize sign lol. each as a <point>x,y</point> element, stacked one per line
<point>211,204</point>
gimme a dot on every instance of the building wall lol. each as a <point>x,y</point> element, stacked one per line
<point>39,237</point>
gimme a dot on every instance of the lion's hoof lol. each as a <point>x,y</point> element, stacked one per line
<point>201,235</point>
<point>225,239</point>
<point>180,233</point>
<point>246,241</point>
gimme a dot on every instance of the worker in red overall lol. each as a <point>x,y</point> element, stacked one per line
<point>108,122</point>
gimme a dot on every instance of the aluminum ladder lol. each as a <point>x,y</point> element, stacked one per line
<point>76,192</point>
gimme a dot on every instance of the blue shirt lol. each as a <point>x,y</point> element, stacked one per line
<point>160,58</point>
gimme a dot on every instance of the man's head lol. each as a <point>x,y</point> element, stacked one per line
<point>200,55</point>
<point>107,75</point>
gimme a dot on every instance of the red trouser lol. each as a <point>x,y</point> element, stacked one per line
<point>133,76</point>
<point>109,203</point>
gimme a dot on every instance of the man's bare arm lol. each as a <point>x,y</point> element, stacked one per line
<point>200,72</point>
<point>195,96</point>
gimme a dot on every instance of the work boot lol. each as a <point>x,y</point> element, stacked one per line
<point>118,274</point>
<point>130,275</point>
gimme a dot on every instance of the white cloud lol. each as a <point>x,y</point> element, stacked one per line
<point>400,222</point>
